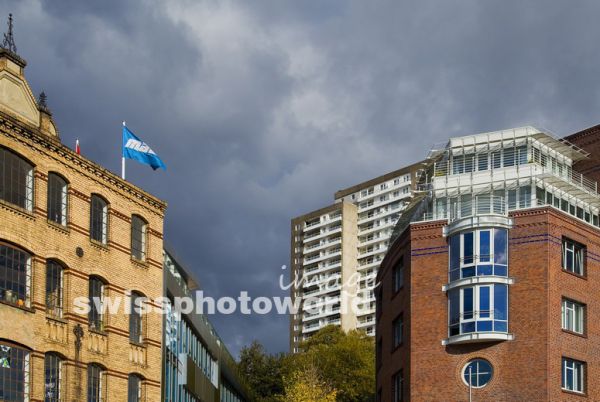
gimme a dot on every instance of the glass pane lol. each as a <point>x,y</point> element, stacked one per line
<point>454,251</point>
<point>500,243</point>
<point>484,245</point>
<point>484,301</point>
<point>501,302</point>
<point>468,303</point>
<point>468,248</point>
<point>454,300</point>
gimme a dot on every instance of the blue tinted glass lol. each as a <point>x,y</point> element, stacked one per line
<point>454,252</point>
<point>454,300</point>
<point>468,302</point>
<point>454,330</point>
<point>468,327</point>
<point>500,326</point>
<point>468,248</point>
<point>500,237</point>
<point>454,275</point>
<point>484,301</point>
<point>484,326</point>
<point>500,270</point>
<point>484,245</point>
<point>501,302</point>
<point>468,272</point>
<point>484,270</point>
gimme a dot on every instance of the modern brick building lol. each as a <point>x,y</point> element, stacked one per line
<point>70,228</point>
<point>336,251</point>
<point>489,291</point>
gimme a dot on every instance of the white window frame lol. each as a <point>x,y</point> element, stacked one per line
<point>476,305</point>
<point>577,369</point>
<point>569,246</point>
<point>573,316</point>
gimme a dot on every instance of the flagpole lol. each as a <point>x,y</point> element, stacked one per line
<point>122,159</point>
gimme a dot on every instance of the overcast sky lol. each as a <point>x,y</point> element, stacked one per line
<point>263,109</point>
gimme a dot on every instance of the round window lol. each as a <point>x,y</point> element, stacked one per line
<point>477,373</point>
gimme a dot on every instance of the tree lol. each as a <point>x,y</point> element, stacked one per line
<point>346,360</point>
<point>262,371</point>
<point>305,385</point>
<point>331,366</point>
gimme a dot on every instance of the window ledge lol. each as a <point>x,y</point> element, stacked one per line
<point>24,308</point>
<point>577,393</point>
<point>17,209</point>
<point>473,280</point>
<point>58,226</point>
<point>566,331</point>
<point>139,263</point>
<point>476,337</point>
<point>584,277</point>
<point>98,331</point>
<point>138,344</point>
<point>57,319</point>
<point>100,245</point>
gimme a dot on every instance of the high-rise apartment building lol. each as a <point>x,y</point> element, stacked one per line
<point>71,229</point>
<point>336,251</point>
<point>489,290</point>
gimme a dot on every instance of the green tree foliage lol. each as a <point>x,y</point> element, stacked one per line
<point>334,362</point>
<point>345,360</point>
<point>263,372</point>
<point>306,385</point>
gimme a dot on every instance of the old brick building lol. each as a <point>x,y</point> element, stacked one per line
<point>490,288</point>
<point>70,228</point>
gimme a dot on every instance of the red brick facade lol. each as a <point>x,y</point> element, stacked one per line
<point>527,368</point>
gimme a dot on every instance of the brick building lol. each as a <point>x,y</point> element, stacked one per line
<point>490,287</point>
<point>70,228</point>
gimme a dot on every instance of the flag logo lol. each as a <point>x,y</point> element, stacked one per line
<point>134,148</point>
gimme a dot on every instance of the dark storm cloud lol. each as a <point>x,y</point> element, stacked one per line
<point>263,109</point>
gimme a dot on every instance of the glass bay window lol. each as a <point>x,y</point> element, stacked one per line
<point>479,253</point>
<point>479,308</point>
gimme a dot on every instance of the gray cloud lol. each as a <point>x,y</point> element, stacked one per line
<point>263,109</point>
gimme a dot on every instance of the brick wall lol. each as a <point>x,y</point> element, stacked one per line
<point>527,368</point>
<point>31,231</point>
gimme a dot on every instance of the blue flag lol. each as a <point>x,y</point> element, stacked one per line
<point>134,148</point>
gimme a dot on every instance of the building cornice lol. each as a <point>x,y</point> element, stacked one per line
<point>28,135</point>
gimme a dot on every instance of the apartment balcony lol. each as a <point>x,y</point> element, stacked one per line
<point>325,220</point>
<point>367,322</point>
<point>320,279</point>
<point>370,263</point>
<point>324,267</point>
<point>321,314</point>
<point>329,300</point>
<point>372,252</point>
<point>322,244</point>
<point>375,228</point>
<point>337,252</point>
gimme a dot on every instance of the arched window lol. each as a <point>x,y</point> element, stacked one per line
<point>16,179</point>
<point>138,237</point>
<point>96,387</point>
<point>136,317</point>
<point>96,295</point>
<point>134,388</point>
<point>57,199</point>
<point>15,275</point>
<point>14,372</point>
<point>54,288</point>
<point>52,378</point>
<point>99,219</point>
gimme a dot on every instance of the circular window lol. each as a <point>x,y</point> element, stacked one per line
<point>477,373</point>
